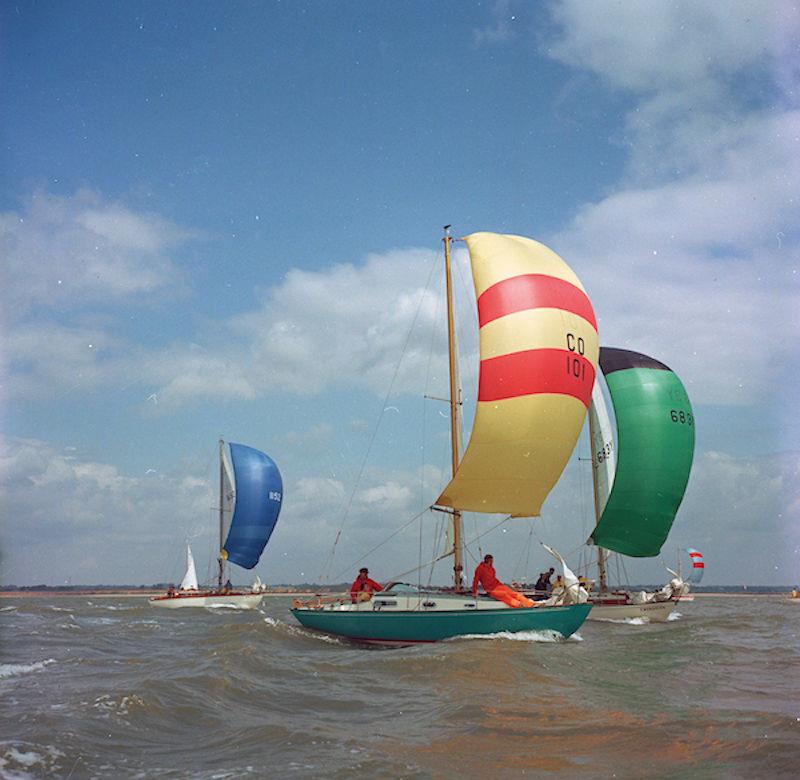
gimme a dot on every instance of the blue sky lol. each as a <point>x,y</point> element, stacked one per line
<point>222,219</point>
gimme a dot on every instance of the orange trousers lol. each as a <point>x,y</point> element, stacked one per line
<point>509,596</point>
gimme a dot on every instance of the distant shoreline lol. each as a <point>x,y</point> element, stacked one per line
<point>148,593</point>
<point>108,593</point>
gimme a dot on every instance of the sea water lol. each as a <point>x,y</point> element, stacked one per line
<point>109,687</point>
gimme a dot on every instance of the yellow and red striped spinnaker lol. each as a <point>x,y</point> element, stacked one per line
<point>538,352</point>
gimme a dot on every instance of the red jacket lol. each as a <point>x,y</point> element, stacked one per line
<point>485,575</point>
<point>363,584</point>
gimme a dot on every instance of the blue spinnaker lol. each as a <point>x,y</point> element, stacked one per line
<point>259,492</point>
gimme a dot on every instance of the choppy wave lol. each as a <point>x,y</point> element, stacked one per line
<point>13,670</point>
<point>19,760</point>
<point>518,636</point>
<point>163,694</point>
<point>112,607</point>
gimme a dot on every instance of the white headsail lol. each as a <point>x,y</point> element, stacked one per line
<point>189,581</point>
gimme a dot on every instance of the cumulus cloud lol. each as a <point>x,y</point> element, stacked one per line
<point>85,521</point>
<point>694,255</point>
<point>371,325</point>
<point>75,265</point>
<point>69,264</point>
<point>651,45</point>
<point>60,253</point>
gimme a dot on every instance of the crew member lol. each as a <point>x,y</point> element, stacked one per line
<point>485,576</point>
<point>543,586</point>
<point>363,584</point>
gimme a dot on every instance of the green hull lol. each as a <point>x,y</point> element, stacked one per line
<point>407,627</point>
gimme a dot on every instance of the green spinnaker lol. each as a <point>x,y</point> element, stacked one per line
<point>655,446</point>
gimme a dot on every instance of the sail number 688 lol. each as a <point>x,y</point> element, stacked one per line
<point>685,418</point>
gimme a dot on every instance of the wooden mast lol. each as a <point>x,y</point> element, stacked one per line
<point>221,560</point>
<point>454,407</point>
<point>601,553</point>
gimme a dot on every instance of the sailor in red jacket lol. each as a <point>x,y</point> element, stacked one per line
<point>363,584</point>
<point>485,576</point>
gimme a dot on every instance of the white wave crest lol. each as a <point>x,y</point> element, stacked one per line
<point>517,636</point>
<point>296,631</point>
<point>108,705</point>
<point>12,670</point>
<point>15,759</point>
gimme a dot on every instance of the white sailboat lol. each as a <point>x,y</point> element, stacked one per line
<point>250,497</point>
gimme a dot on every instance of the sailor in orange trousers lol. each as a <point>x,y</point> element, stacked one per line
<point>485,575</point>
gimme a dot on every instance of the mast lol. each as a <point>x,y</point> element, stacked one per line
<point>454,405</point>
<point>601,553</point>
<point>220,559</point>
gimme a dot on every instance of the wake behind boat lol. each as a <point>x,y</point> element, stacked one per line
<point>538,351</point>
<point>250,494</point>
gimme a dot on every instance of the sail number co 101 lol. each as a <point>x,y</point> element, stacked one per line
<point>575,366</point>
<point>684,418</point>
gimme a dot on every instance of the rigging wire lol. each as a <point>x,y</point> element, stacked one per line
<point>380,544</point>
<point>329,560</point>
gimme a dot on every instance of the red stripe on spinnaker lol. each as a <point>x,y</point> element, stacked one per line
<point>534,371</point>
<point>533,291</point>
<point>698,565</point>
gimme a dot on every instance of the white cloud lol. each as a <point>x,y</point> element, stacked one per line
<point>653,45</point>
<point>50,358</point>
<point>83,520</point>
<point>86,521</point>
<point>60,253</point>
<point>695,258</point>
<point>343,326</point>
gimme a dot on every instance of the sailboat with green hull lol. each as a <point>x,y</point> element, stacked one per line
<point>402,614</point>
<point>538,353</point>
<point>640,481</point>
